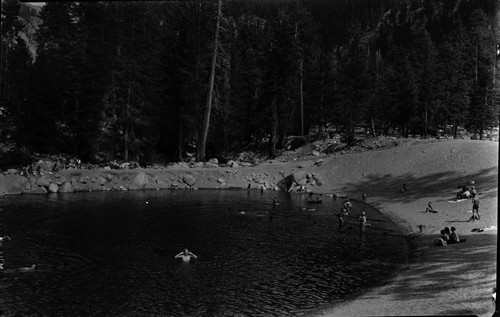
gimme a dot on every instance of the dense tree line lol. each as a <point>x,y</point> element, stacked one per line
<point>135,80</point>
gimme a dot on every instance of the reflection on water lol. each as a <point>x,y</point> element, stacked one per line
<point>112,254</point>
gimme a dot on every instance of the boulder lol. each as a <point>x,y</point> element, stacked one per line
<point>213,160</point>
<point>60,180</point>
<point>53,188</point>
<point>298,176</point>
<point>232,163</point>
<point>38,190</point>
<point>140,180</point>
<point>66,187</point>
<point>211,165</point>
<point>188,179</point>
<point>84,179</point>
<point>43,181</point>
<point>12,171</point>
<point>221,180</point>
<point>12,184</point>
<point>101,180</point>
<point>106,168</point>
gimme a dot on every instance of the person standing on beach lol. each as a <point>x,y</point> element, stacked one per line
<point>475,209</point>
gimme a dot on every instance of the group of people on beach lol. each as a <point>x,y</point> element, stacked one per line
<point>448,236</point>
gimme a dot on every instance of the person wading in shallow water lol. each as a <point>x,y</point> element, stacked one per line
<point>186,256</point>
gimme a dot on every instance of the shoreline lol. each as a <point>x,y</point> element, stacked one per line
<point>457,279</point>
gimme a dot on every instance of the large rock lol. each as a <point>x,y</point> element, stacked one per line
<point>101,180</point>
<point>53,188</point>
<point>38,190</point>
<point>140,180</point>
<point>43,181</point>
<point>66,187</point>
<point>12,184</point>
<point>298,176</point>
<point>232,163</point>
<point>211,165</point>
<point>188,179</point>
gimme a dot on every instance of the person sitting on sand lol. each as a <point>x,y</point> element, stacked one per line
<point>454,236</point>
<point>441,241</point>
<point>430,209</point>
<point>448,233</point>
<point>186,255</point>
<point>403,189</point>
<point>464,193</point>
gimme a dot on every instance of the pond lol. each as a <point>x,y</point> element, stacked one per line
<point>112,254</point>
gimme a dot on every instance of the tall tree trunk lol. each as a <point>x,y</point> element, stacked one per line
<point>208,108</point>
<point>322,101</point>
<point>301,78</point>
<point>426,122</point>
<point>274,129</point>
<point>179,143</point>
<point>374,132</point>
<point>455,128</point>
<point>477,62</point>
<point>126,140</point>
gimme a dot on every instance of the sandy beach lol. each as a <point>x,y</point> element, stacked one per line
<point>452,280</point>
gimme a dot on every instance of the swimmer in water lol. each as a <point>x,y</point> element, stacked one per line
<point>27,269</point>
<point>186,255</point>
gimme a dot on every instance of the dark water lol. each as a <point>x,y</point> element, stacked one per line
<point>112,254</point>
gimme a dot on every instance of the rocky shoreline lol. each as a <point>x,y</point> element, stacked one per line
<point>71,180</point>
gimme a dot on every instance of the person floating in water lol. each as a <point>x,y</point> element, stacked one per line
<point>186,255</point>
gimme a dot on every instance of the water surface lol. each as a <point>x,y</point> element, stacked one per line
<point>112,254</point>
